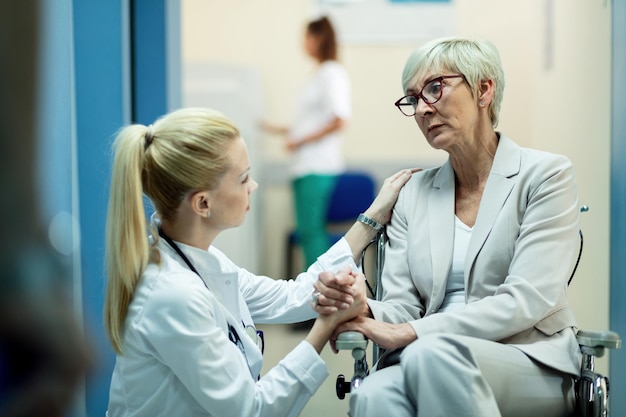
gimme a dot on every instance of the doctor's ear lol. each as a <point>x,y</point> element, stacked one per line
<point>200,202</point>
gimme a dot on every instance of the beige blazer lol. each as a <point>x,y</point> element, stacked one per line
<point>521,254</point>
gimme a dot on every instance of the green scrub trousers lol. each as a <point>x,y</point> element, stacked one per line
<point>312,195</point>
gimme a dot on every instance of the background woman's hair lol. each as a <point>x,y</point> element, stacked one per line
<point>477,60</point>
<point>183,151</point>
<point>323,30</point>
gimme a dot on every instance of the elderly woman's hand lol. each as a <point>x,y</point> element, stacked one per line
<point>380,209</point>
<point>388,336</point>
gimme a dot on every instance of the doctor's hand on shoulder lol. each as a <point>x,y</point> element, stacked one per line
<point>382,206</point>
<point>378,213</point>
<point>334,292</point>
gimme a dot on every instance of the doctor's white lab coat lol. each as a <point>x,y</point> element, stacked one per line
<point>186,351</point>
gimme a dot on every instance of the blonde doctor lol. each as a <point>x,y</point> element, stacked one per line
<point>179,313</point>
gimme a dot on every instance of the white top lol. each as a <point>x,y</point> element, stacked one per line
<point>455,285</point>
<point>324,97</point>
<point>178,359</point>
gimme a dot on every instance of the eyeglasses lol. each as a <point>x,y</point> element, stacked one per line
<point>430,93</point>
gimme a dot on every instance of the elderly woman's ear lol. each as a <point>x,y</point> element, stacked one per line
<point>485,94</point>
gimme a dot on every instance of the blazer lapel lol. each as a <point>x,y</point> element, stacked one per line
<point>441,224</point>
<point>506,165</point>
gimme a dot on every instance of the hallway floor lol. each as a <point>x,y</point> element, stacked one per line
<point>280,339</point>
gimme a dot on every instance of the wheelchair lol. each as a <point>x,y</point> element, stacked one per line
<point>591,388</point>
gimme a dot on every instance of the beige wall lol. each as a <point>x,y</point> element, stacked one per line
<point>561,104</point>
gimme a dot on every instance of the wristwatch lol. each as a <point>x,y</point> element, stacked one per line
<point>370,222</point>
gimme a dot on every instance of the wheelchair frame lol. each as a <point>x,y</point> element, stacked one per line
<point>592,388</point>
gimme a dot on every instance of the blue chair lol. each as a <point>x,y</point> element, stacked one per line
<point>353,194</point>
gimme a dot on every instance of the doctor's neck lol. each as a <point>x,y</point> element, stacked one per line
<point>192,231</point>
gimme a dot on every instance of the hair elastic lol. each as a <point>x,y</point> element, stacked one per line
<point>149,136</point>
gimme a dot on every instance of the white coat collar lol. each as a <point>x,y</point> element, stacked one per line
<point>218,272</point>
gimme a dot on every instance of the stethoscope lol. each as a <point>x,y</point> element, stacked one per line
<point>253,333</point>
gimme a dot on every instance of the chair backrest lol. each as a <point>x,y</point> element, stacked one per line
<point>583,209</point>
<point>353,193</point>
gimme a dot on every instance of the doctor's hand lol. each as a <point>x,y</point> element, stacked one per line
<point>357,307</point>
<point>325,325</point>
<point>333,292</point>
<point>380,209</point>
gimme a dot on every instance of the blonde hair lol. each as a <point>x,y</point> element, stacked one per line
<point>476,60</point>
<point>183,151</point>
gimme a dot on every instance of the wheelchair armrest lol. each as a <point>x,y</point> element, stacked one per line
<point>598,339</point>
<point>350,340</point>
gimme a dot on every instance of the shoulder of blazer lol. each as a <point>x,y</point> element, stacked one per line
<point>508,159</point>
<point>419,183</point>
<point>512,159</point>
<point>426,178</point>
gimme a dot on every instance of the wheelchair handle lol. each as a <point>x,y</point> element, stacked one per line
<point>350,340</point>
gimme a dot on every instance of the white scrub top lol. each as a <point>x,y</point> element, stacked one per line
<point>178,359</point>
<point>325,96</point>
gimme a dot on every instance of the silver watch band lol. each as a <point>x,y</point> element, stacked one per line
<point>370,222</point>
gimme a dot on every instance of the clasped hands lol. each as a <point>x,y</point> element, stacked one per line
<point>341,300</point>
<point>340,297</point>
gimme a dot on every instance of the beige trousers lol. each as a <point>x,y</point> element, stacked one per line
<point>460,376</point>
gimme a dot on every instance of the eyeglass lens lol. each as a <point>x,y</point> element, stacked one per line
<point>431,93</point>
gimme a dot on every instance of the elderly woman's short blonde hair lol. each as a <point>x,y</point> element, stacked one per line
<point>476,60</point>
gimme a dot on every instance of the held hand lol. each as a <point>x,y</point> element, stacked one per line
<point>324,325</point>
<point>380,209</point>
<point>386,335</point>
<point>357,307</point>
<point>332,292</point>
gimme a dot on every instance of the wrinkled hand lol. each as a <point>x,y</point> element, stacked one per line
<point>386,335</point>
<point>380,209</point>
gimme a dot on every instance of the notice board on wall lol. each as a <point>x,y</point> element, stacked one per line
<point>389,21</point>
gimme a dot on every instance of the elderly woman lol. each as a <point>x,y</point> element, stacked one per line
<point>479,255</point>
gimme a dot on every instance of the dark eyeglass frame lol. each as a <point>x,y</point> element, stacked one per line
<point>419,95</point>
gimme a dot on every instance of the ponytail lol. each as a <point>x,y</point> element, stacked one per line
<point>127,246</point>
